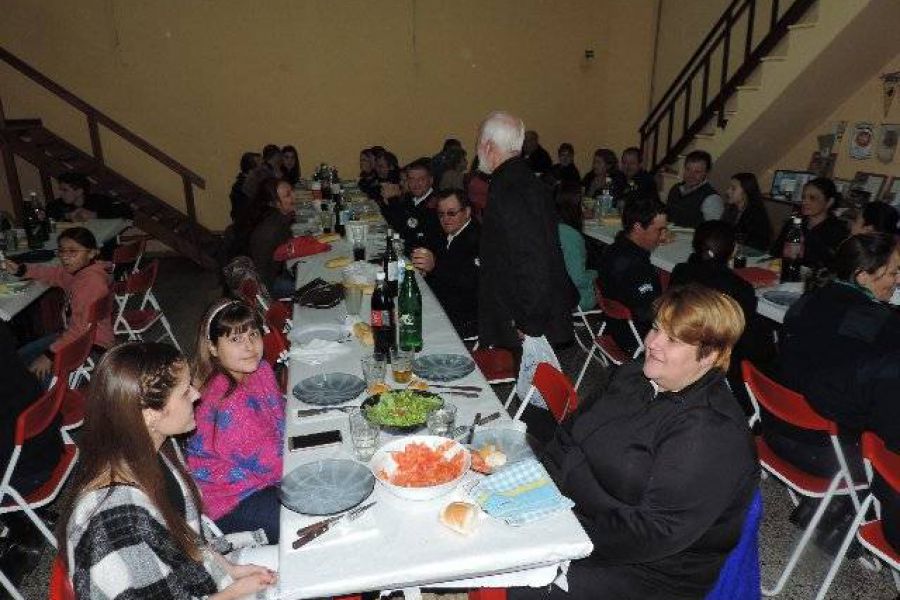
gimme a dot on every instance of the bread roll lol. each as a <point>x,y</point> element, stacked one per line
<point>418,384</point>
<point>461,517</point>
<point>336,263</point>
<point>363,333</point>
<point>327,238</point>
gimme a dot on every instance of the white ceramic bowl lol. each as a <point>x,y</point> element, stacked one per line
<point>383,461</point>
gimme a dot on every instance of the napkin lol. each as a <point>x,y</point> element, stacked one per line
<point>757,276</point>
<point>519,494</point>
<point>300,246</point>
<point>318,351</point>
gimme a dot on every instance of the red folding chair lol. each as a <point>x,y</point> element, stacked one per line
<point>33,421</point>
<point>60,584</point>
<point>604,343</point>
<point>130,254</point>
<point>871,533</point>
<point>278,317</point>
<point>793,409</point>
<point>556,389</point>
<point>275,351</point>
<point>67,361</point>
<point>135,322</point>
<point>249,293</point>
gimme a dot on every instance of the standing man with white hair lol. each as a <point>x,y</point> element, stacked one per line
<point>524,289</point>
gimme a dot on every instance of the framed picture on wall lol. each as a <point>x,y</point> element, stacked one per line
<point>873,183</point>
<point>822,164</point>
<point>842,185</point>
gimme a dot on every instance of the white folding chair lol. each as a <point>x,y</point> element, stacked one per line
<point>135,322</point>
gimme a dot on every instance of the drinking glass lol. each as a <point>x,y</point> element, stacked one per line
<point>374,369</point>
<point>364,435</point>
<point>441,421</point>
<point>401,365</point>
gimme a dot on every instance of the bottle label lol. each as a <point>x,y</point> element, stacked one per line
<point>407,320</point>
<point>380,318</point>
<point>792,250</point>
<point>344,217</point>
<point>392,271</point>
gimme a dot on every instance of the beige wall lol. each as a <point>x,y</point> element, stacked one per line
<point>206,80</point>
<point>864,105</point>
<point>682,26</point>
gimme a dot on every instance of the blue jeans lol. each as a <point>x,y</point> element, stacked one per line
<point>259,510</point>
<point>35,348</point>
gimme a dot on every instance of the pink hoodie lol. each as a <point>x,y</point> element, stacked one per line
<point>82,288</point>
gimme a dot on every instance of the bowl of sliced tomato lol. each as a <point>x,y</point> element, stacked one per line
<point>421,467</point>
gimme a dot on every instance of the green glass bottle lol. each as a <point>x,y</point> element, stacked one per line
<point>409,311</point>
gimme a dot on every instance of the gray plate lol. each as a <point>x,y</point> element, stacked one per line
<point>326,487</point>
<point>516,445</point>
<point>443,367</point>
<point>329,389</point>
<point>781,298</point>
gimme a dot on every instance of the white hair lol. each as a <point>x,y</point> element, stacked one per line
<point>506,131</point>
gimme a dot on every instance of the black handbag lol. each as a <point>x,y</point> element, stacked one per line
<point>318,293</point>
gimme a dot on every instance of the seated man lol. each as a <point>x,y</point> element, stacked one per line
<point>565,170</point>
<point>625,272</point>
<point>77,204</point>
<point>538,159</point>
<point>451,265</point>
<point>637,179</point>
<point>694,199</point>
<point>413,215</point>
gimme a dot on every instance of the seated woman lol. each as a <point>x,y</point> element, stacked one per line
<point>291,164</point>
<point>876,217</point>
<point>713,244</point>
<point>839,347</point>
<point>273,210</point>
<point>84,279</point>
<point>76,203</point>
<point>235,454</point>
<point>604,172</point>
<point>568,208</point>
<point>131,524</point>
<point>368,178</point>
<point>454,175</point>
<point>745,211</point>
<point>822,231</point>
<point>565,171</point>
<point>239,202</point>
<point>661,465</point>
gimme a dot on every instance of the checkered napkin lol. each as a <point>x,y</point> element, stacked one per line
<point>520,494</point>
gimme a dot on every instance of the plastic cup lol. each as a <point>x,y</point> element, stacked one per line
<point>352,298</point>
<point>442,421</point>
<point>401,365</point>
<point>364,435</point>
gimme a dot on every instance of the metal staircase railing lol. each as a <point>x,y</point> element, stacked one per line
<point>727,56</point>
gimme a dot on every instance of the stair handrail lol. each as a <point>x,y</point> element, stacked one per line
<point>96,117</point>
<point>701,61</point>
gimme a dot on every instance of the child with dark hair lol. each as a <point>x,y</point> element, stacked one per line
<point>76,203</point>
<point>84,279</point>
<point>235,454</point>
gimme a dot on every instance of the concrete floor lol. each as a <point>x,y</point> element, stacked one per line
<point>184,291</point>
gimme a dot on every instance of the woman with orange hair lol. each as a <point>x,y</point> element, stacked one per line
<point>661,466</point>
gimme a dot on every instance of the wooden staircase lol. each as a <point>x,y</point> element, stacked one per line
<point>52,155</point>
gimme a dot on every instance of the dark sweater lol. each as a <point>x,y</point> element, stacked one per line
<point>272,231</point>
<point>820,242</point>
<point>752,223</point>
<point>661,483</point>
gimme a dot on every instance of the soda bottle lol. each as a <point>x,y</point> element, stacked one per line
<point>792,252</point>
<point>409,309</point>
<point>340,226</point>
<point>381,318</point>
<point>32,224</point>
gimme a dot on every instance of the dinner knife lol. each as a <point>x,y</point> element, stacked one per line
<point>311,412</point>
<point>311,532</point>
<point>463,388</point>
<point>472,428</point>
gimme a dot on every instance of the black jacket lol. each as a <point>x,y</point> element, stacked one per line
<point>661,482</point>
<point>417,225</point>
<point>753,223</point>
<point>718,276</point>
<point>841,349</point>
<point>105,207</point>
<point>642,183</point>
<point>272,231</point>
<point>685,209</point>
<point>820,242</point>
<point>565,174</point>
<point>626,274</point>
<point>539,161</point>
<point>523,282</point>
<point>454,279</point>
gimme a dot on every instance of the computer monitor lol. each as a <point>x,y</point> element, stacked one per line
<point>786,181</point>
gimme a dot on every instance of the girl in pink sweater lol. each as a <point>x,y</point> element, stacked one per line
<point>84,280</point>
<point>235,454</point>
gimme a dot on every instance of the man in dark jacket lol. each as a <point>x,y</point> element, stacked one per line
<point>524,287</point>
<point>538,159</point>
<point>625,272</point>
<point>451,265</point>
<point>413,215</point>
<point>637,179</point>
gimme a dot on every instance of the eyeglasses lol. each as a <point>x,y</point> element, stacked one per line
<point>448,213</point>
<point>68,252</point>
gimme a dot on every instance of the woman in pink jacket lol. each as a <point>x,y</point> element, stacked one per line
<point>84,280</point>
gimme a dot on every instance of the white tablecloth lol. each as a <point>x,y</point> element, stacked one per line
<point>400,544</point>
<point>667,256</point>
<point>103,229</point>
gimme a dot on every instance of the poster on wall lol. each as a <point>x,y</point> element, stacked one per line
<point>862,139</point>
<point>887,142</point>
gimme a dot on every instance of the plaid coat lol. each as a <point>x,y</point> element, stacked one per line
<point>119,547</point>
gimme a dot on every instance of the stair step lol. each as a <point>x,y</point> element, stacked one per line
<point>773,58</point>
<point>746,88</point>
<point>799,26</point>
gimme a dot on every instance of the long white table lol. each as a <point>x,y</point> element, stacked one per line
<point>400,544</point>
<point>104,230</point>
<point>666,256</point>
